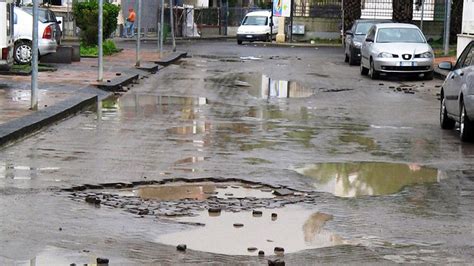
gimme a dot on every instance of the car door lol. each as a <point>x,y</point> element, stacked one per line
<point>453,83</point>
<point>366,46</point>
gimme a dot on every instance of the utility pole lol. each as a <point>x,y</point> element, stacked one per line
<point>422,14</point>
<point>172,25</point>
<point>291,19</point>
<point>447,26</point>
<point>34,61</point>
<point>162,18</point>
<point>100,38</point>
<point>137,64</point>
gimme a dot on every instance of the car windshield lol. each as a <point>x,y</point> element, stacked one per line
<point>363,28</point>
<point>408,35</point>
<point>255,20</point>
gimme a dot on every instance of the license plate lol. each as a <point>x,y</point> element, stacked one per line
<point>249,36</point>
<point>407,63</point>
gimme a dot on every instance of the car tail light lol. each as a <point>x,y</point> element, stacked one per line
<point>5,52</point>
<point>48,32</point>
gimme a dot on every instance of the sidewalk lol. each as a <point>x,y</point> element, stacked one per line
<point>61,93</point>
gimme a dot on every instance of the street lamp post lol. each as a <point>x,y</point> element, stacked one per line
<point>100,37</point>
<point>139,25</point>
<point>34,60</point>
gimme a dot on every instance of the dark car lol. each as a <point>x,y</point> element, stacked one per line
<point>355,38</point>
<point>45,16</point>
<point>457,94</point>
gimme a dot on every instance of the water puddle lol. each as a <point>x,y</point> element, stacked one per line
<point>132,105</point>
<point>22,172</point>
<point>292,228</point>
<point>195,191</point>
<point>367,178</point>
<point>263,87</point>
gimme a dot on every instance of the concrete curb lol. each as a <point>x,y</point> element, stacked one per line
<point>21,127</point>
<point>116,84</point>
<point>171,58</point>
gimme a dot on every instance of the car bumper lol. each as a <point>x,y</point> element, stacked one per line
<point>47,46</point>
<point>252,37</point>
<point>395,65</point>
<point>356,53</point>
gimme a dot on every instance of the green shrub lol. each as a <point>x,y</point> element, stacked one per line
<point>108,47</point>
<point>87,16</point>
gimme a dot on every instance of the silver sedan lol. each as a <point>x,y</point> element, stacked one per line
<point>396,48</point>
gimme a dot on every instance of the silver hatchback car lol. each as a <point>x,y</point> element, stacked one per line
<point>457,94</point>
<point>396,48</point>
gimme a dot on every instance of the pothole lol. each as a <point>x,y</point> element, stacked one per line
<point>367,178</point>
<point>275,232</point>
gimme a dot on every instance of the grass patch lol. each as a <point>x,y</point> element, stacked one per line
<point>440,52</point>
<point>326,41</point>
<point>108,47</point>
<point>27,68</point>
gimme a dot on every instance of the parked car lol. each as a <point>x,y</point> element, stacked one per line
<point>47,33</point>
<point>396,48</point>
<point>354,38</point>
<point>45,16</point>
<point>6,34</point>
<point>256,26</point>
<point>457,94</point>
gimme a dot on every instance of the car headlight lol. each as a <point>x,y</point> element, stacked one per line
<point>357,44</point>
<point>385,55</point>
<point>426,55</point>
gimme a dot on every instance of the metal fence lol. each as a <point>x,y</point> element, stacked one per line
<point>432,10</point>
<point>318,9</point>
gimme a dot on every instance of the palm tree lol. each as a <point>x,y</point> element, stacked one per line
<point>351,12</point>
<point>402,11</point>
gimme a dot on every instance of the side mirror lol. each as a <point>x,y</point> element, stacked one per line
<point>59,21</point>
<point>349,33</point>
<point>430,40</point>
<point>369,39</point>
<point>446,65</point>
<point>271,23</point>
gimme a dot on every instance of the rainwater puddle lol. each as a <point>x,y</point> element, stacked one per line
<point>56,256</point>
<point>292,228</point>
<point>195,191</point>
<point>22,172</point>
<point>263,87</point>
<point>367,178</point>
<point>131,105</point>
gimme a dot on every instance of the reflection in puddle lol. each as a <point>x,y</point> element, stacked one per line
<point>131,105</point>
<point>196,191</point>
<point>21,172</point>
<point>55,256</point>
<point>264,87</point>
<point>292,228</point>
<point>367,178</point>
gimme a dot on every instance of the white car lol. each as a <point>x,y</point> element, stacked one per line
<point>396,48</point>
<point>6,34</point>
<point>257,26</point>
<point>457,94</point>
<point>23,28</point>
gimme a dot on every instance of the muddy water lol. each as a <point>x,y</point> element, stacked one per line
<point>196,191</point>
<point>367,178</point>
<point>294,229</point>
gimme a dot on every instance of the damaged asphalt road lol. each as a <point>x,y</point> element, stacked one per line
<point>385,183</point>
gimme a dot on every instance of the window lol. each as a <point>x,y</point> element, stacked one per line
<point>461,60</point>
<point>371,33</point>
<point>254,20</point>
<point>405,35</point>
<point>362,28</point>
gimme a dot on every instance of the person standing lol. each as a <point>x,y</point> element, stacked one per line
<point>130,23</point>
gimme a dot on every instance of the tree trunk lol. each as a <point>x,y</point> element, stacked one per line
<point>351,12</point>
<point>456,20</point>
<point>402,11</point>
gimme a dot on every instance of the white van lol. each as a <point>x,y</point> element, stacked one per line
<point>6,34</point>
<point>256,27</point>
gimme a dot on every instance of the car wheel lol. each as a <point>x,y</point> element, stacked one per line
<point>466,126</point>
<point>239,42</point>
<point>22,52</point>
<point>346,58</point>
<point>363,71</point>
<point>444,120</point>
<point>428,75</point>
<point>352,61</point>
<point>373,74</point>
